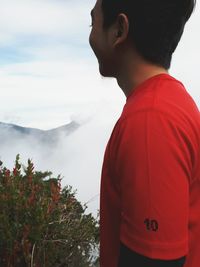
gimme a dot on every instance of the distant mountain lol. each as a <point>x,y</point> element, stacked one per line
<point>47,136</point>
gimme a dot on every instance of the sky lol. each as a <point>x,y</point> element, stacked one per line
<point>49,77</point>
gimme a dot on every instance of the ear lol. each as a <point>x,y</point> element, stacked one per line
<point>121,29</point>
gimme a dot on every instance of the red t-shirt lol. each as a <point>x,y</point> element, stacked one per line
<point>150,184</point>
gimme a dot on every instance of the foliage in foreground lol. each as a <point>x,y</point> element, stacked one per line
<point>42,225</point>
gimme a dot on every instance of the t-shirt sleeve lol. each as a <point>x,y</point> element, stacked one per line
<point>152,164</point>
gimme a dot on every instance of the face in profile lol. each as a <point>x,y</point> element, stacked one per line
<point>99,42</point>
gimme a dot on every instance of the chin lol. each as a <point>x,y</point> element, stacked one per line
<point>106,72</point>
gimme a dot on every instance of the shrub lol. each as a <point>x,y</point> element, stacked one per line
<point>42,225</point>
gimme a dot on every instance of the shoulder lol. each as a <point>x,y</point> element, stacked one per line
<point>164,93</point>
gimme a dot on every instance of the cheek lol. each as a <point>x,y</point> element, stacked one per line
<point>94,43</point>
<point>92,40</point>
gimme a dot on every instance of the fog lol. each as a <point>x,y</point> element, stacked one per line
<point>77,157</point>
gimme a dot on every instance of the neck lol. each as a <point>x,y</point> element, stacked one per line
<point>135,71</point>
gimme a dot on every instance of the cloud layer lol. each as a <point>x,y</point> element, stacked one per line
<point>49,76</point>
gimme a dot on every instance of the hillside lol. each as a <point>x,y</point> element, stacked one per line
<point>44,136</point>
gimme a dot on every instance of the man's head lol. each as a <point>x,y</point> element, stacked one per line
<point>152,27</point>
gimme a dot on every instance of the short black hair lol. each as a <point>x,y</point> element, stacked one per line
<point>156,26</point>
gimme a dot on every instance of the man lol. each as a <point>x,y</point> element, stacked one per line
<point>150,185</point>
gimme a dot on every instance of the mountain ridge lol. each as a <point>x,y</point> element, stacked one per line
<point>51,135</point>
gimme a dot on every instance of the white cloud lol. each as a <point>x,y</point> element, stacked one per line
<point>43,18</point>
<point>185,63</point>
<point>37,89</point>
